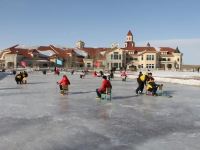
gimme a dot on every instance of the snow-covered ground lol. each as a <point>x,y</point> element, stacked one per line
<point>36,117</point>
<point>188,78</point>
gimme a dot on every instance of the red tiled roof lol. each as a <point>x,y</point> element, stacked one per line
<point>58,51</point>
<point>17,50</point>
<point>129,33</point>
<point>168,49</point>
<point>44,48</point>
<point>20,51</point>
<point>69,51</point>
<point>93,52</point>
<point>140,49</point>
<point>110,50</point>
<point>28,52</point>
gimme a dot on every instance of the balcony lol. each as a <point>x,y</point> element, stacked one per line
<point>164,60</point>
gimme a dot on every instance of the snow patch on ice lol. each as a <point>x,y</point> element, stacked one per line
<point>187,78</point>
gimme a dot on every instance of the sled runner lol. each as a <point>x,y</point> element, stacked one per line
<point>64,89</point>
<point>107,95</point>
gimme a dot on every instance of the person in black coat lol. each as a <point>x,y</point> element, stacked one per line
<point>101,73</point>
<point>142,79</point>
<point>19,78</point>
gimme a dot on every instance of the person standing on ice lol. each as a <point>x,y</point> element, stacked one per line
<point>64,82</point>
<point>19,78</point>
<point>95,74</point>
<point>72,71</point>
<point>124,75</point>
<point>82,75</point>
<point>142,78</point>
<point>101,73</point>
<point>105,84</point>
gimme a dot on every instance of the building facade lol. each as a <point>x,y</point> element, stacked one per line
<point>129,57</point>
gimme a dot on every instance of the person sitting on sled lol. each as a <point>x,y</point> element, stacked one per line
<point>64,82</point>
<point>152,87</point>
<point>105,84</point>
<point>150,76</point>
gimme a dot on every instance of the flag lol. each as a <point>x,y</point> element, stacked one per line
<point>97,64</point>
<point>59,62</point>
<point>23,64</point>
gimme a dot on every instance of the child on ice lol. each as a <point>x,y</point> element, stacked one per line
<point>64,82</point>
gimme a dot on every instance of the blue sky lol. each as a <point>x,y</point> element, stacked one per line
<point>99,23</point>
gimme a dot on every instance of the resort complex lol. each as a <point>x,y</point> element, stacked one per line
<point>128,57</point>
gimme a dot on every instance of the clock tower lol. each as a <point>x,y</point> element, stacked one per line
<point>129,40</point>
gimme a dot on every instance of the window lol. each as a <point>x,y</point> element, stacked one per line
<point>163,59</point>
<point>169,66</point>
<point>141,65</point>
<point>142,57</point>
<point>168,59</point>
<point>152,66</point>
<point>88,65</point>
<point>116,65</point>
<point>111,56</point>
<point>150,57</point>
<point>178,59</point>
<point>120,57</point>
<point>135,59</point>
<point>115,55</point>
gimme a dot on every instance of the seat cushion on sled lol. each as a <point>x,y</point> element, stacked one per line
<point>65,87</point>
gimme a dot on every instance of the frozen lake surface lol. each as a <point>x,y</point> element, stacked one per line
<point>36,117</point>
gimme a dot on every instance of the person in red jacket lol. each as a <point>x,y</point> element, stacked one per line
<point>95,74</point>
<point>56,71</point>
<point>105,84</point>
<point>64,82</point>
<point>124,75</point>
